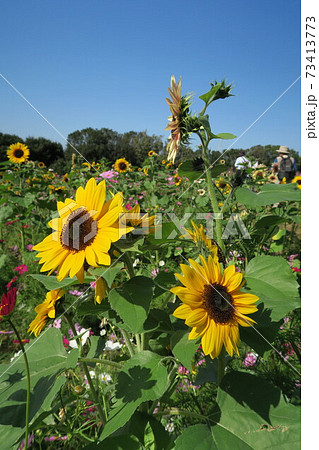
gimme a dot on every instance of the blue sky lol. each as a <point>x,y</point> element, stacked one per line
<point>108,64</point>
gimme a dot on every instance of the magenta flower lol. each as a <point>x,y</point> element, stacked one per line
<point>250,359</point>
<point>8,286</point>
<point>8,302</point>
<point>29,247</point>
<point>21,269</point>
<point>109,174</point>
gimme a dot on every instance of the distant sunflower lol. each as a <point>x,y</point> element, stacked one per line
<point>66,178</point>
<point>135,218</point>
<point>41,165</point>
<point>45,311</point>
<point>83,233</point>
<point>273,178</point>
<point>213,305</point>
<point>177,180</point>
<point>18,153</point>
<point>145,170</point>
<point>152,153</point>
<point>164,161</point>
<point>121,165</point>
<point>297,180</point>
<point>223,185</point>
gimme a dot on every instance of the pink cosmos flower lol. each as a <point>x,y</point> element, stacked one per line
<point>250,359</point>
<point>8,302</point>
<point>109,174</point>
<point>29,247</point>
<point>21,269</point>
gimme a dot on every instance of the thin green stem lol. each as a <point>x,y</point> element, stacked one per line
<point>87,374</point>
<point>129,265</point>
<point>128,341</point>
<point>138,342</point>
<point>27,369</point>
<point>212,194</point>
<point>221,365</point>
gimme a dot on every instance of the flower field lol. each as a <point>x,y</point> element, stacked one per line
<point>152,307</point>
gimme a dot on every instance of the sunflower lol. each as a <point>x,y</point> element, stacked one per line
<point>100,289</point>
<point>135,218</point>
<point>41,165</point>
<point>213,305</point>
<point>297,180</point>
<point>121,165</point>
<point>164,161</point>
<point>273,178</point>
<point>18,153</point>
<point>283,181</point>
<point>223,185</point>
<point>169,165</point>
<point>83,233</point>
<point>152,153</point>
<point>177,180</point>
<point>205,244</point>
<point>258,175</point>
<point>179,107</point>
<point>201,192</point>
<point>222,161</point>
<point>45,311</point>
<point>65,178</point>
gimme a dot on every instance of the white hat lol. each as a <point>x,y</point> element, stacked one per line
<point>283,149</point>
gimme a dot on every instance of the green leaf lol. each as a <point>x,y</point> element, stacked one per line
<point>224,136</point>
<point>183,348</point>
<point>196,437</point>
<point>207,373</point>
<point>108,273</point>
<point>271,279</point>
<point>269,194</point>
<point>132,301</point>
<point>267,328</point>
<point>204,121</point>
<point>253,410</point>
<point>51,283</point>
<point>266,222</point>
<point>142,379</point>
<point>128,245</point>
<point>47,359</point>
<point>123,442</point>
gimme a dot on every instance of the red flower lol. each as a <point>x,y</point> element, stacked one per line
<point>8,302</point>
<point>8,286</point>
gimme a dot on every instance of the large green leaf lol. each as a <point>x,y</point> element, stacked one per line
<point>269,194</point>
<point>47,359</point>
<point>132,301</point>
<point>263,333</point>
<point>253,410</point>
<point>142,378</point>
<point>271,278</point>
<point>224,136</point>
<point>183,348</point>
<point>52,283</point>
<point>196,437</point>
<point>108,273</point>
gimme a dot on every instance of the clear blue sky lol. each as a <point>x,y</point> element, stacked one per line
<point>108,64</point>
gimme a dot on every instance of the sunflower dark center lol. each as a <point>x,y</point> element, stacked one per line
<point>122,166</point>
<point>259,175</point>
<point>298,181</point>
<point>222,184</point>
<point>218,303</point>
<point>18,153</point>
<point>79,231</point>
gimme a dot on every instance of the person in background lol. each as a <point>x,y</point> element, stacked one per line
<point>284,165</point>
<point>242,162</point>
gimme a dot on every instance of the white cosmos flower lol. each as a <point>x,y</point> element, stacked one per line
<point>73,343</point>
<point>161,263</point>
<point>102,332</point>
<point>110,345</point>
<point>105,377</point>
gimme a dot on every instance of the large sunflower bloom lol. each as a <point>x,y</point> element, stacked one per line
<point>121,165</point>
<point>45,311</point>
<point>213,305</point>
<point>83,233</point>
<point>18,153</point>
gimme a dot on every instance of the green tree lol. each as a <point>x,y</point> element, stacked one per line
<point>44,150</point>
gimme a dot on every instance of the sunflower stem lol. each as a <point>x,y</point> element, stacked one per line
<point>221,365</point>
<point>106,362</point>
<point>212,194</point>
<point>129,265</point>
<point>127,341</point>
<point>87,374</point>
<point>27,369</point>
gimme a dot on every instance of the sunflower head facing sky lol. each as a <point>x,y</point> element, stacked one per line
<point>18,153</point>
<point>121,165</point>
<point>213,305</point>
<point>83,233</point>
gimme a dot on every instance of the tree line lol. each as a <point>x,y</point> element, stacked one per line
<point>95,144</point>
